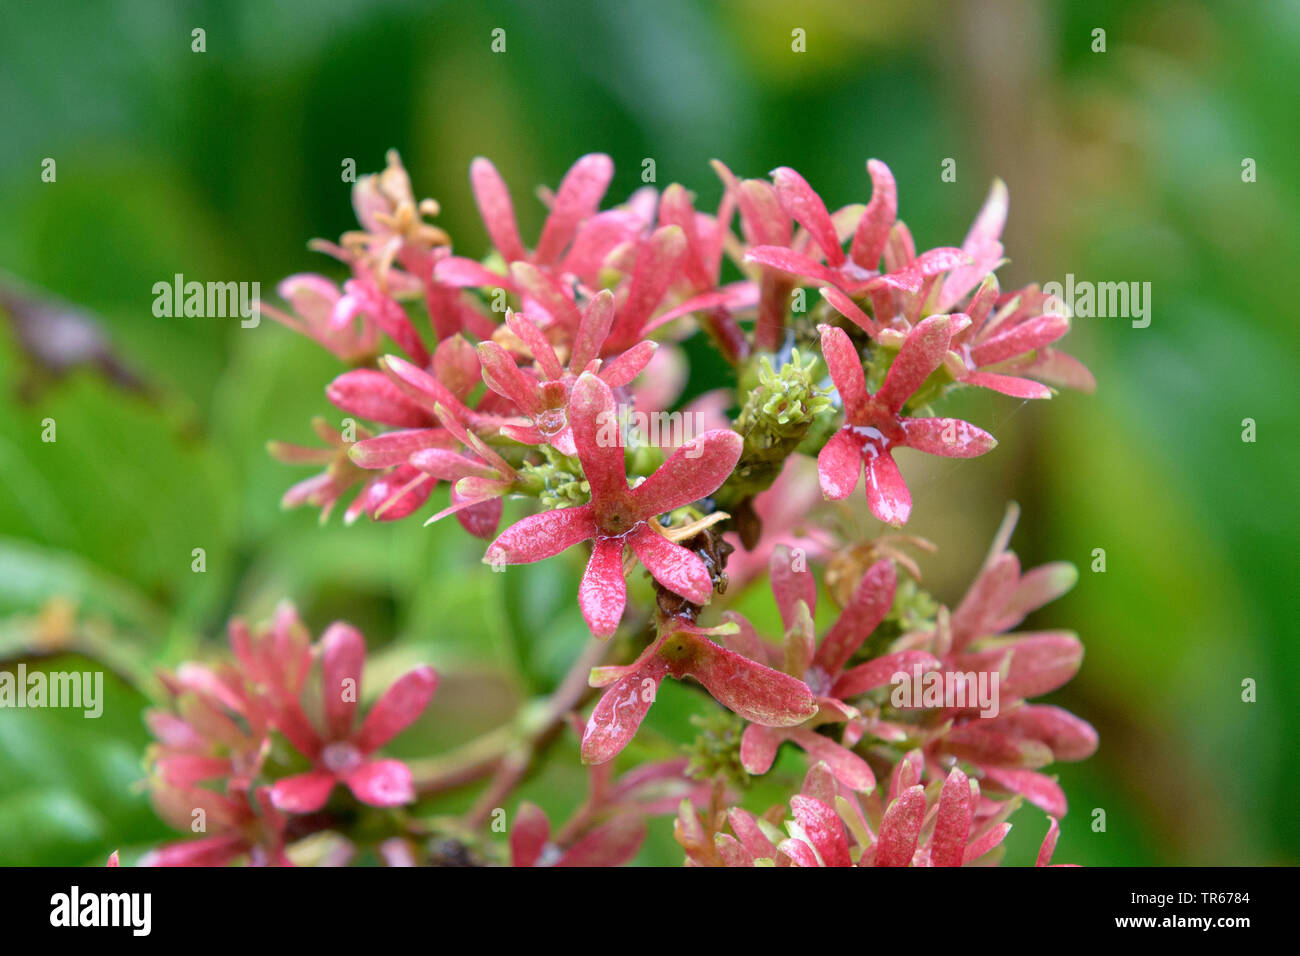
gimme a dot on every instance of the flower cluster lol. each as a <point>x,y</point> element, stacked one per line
<point>238,758</point>
<point>948,823</point>
<point>511,376</point>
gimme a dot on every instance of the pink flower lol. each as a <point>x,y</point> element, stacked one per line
<point>983,244</point>
<point>876,235</point>
<point>544,399</point>
<point>218,728</point>
<point>478,485</point>
<point>1008,338</point>
<point>388,494</point>
<point>612,843</point>
<point>875,425</point>
<point>239,826</point>
<point>823,667</point>
<point>392,220</point>
<point>575,242</point>
<point>577,200</point>
<point>314,300</point>
<point>764,222</point>
<point>830,827</point>
<point>1009,748</point>
<point>609,828</point>
<point>755,692</point>
<point>618,517</point>
<point>342,752</point>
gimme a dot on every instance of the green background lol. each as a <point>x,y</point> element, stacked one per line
<point>1122,166</point>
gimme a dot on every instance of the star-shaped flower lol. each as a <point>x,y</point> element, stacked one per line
<point>876,232</point>
<point>758,693</point>
<point>343,753</point>
<point>544,397</point>
<point>619,516</point>
<point>823,667</point>
<point>875,425</point>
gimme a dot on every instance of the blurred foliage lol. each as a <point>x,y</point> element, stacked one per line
<point>1123,166</point>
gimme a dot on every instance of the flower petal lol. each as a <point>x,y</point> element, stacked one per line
<point>871,601</point>
<point>577,199</point>
<point>823,828</point>
<point>949,437</point>
<point>953,821</point>
<point>1042,662</point>
<point>544,293</point>
<point>847,767</point>
<point>397,709</point>
<point>657,263</point>
<point>1057,368</point>
<point>1068,736</point>
<point>800,853</point>
<point>597,320</point>
<point>792,263</point>
<point>678,569</point>
<point>1008,385</point>
<point>791,585</point>
<point>599,440</point>
<point>1037,587</point>
<point>839,465</point>
<point>982,244</point>
<point>849,309</point>
<point>528,835</point>
<point>343,657</point>
<point>480,517</point>
<point>695,470</point>
<point>619,712</point>
<point>505,378</point>
<point>755,692</point>
<point>1039,789</point>
<point>733,853</point>
<point>806,207</point>
<point>602,596</point>
<point>1025,337</point>
<point>367,393</point>
<point>758,747</point>
<point>460,273</point>
<point>302,793</point>
<point>921,353</point>
<point>217,850</point>
<point>887,493</point>
<point>881,671</point>
<point>845,366</point>
<point>541,350</point>
<point>610,844</point>
<point>542,535</point>
<point>749,833</point>
<point>620,371</point>
<point>874,227</point>
<point>494,205</point>
<point>900,827</point>
<point>986,842</point>
<point>982,605</point>
<point>395,447</point>
<point>764,221</point>
<point>382,783</point>
<point>1048,846</point>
